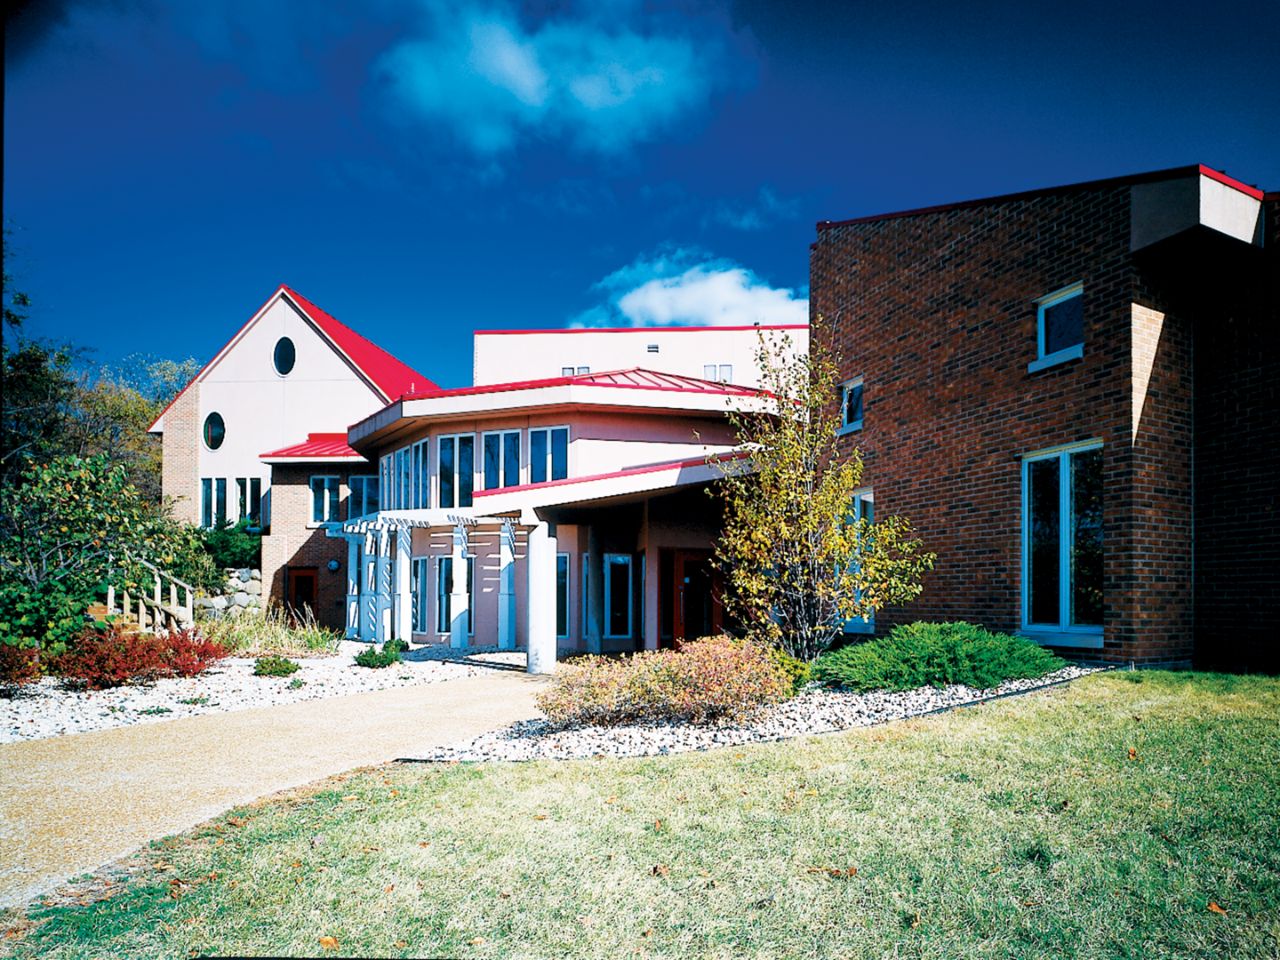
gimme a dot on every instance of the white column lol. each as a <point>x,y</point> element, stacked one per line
<point>404,584</point>
<point>540,562</point>
<point>353,588</point>
<point>382,623</point>
<point>507,587</point>
<point>459,598</point>
<point>595,593</point>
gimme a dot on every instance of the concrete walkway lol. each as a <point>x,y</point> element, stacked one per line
<point>71,804</point>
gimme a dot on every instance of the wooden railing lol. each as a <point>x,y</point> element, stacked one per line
<point>161,610</point>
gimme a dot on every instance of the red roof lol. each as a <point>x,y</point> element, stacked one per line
<point>317,446</point>
<point>635,378</point>
<point>390,376</point>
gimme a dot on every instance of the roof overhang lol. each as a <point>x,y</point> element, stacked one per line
<point>1201,197</point>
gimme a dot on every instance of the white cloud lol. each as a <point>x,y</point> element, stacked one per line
<point>688,288</point>
<point>601,79</point>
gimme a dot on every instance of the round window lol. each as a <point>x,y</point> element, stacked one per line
<point>214,431</point>
<point>285,356</point>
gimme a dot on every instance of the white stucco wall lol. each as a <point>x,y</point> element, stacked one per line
<point>505,356</point>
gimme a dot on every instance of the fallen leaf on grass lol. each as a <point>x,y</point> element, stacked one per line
<point>1133,753</point>
<point>611,800</point>
<point>1214,908</point>
<point>350,796</point>
<point>539,816</point>
<point>424,843</point>
<point>388,888</point>
<point>660,870</point>
<point>505,894</point>
<point>657,825</point>
<point>237,821</point>
<point>477,941</point>
<point>648,933</point>
<point>401,944</point>
<point>329,943</point>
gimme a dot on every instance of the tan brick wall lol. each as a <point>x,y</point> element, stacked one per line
<point>292,543</point>
<point>179,471</point>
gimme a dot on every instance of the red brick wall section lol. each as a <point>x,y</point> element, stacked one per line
<point>936,311</point>
<point>179,471</point>
<point>291,543</point>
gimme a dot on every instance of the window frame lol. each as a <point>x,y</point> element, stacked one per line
<point>443,601</point>
<point>204,430</point>
<point>418,580</point>
<point>550,429</point>
<point>357,504</point>
<point>608,597</point>
<point>502,458</point>
<point>206,502</point>
<point>220,502</point>
<point>845,386</point>
<point>568,594</point>
<point>861,496</point>
<point>1075,351</point>
<point>453,440</point>
<point>1063,633</point>
<point>331,501</point>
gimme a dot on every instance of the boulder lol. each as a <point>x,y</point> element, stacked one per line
<point>244,574</point>
<point>218,603</point>
<point>241,599</point>
<point>253,588</point>
<point>255,574</point>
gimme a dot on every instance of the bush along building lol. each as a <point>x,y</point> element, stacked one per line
<point>1074,394</point>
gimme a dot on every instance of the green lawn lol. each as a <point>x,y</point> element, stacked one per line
<point>1127,815</point>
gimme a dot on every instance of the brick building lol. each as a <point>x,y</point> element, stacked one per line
<point>1074,394</point>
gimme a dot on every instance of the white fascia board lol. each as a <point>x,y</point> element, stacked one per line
<point>598,488</point>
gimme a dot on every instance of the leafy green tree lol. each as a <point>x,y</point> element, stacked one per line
<point>797,564</point>
<point>68,527</point>
<point>234,545</point>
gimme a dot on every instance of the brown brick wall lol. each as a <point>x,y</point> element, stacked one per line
<point>179,471</point>
<point>291,543</point>
<point>936,312</point>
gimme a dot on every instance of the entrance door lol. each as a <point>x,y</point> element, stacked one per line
<point>697,608</point>
<point>300,590</point>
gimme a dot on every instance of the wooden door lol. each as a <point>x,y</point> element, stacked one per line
<point>300,590</point>
<point>695,596</point>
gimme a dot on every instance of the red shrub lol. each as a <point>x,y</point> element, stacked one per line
<point>18,665</point>
<point>110,658</point>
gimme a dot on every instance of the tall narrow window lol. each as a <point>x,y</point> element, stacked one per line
<point>851,405</point>
<point>220,501</point>
<point>242,498</point>
<point>1059,327</point>
<point>1062,545</point>
<point>419,588</point>
<point>421,498</point>
<point>562,596</point>
<point>444,594</point>
<point>324,500</point>
<point>584,612</point>
<point>386,481</point>
<point>501,459</point>
<point>404,479</point>
<point>364,496</point>
<point>862,507</point>
<point>456,469</point>
<point>548,454</point>
<point>617,595</point>
<point>255,500</point>
<point>206,502</point>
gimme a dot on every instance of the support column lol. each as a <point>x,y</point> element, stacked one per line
<point>595,593</point>
<point>507,587</point>
<point>382,622</point>
<point>540,562</point>
<point>353,588</point>
<point>459,596</point>
<point>404,584</point>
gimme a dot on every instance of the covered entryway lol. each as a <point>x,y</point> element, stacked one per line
<point>300,590</point>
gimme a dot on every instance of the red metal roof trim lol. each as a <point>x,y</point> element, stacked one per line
<point>1048,191</point>
<point>635,378</point>
<point>665,329</point>
<point>317,446</point>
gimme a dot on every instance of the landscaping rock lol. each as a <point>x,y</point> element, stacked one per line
<point>241,599</point>
<point>218,603</point>
<point>255,574</point>
<point>244,574</point>
<point>253,588</point>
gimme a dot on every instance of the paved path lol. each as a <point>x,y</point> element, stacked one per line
<point>70,804</point>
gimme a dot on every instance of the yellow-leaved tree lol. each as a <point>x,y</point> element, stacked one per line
<point>797,562</point>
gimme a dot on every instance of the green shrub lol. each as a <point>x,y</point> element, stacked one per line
<point>234,545</point>
<point>795,668</point>
<point>272,666</point>
<point>400,646</point>
<point>274,633</point>
<point>377,658</point>
<point>709,679</point>
<point>935,654</point>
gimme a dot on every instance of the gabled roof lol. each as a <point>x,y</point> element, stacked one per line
<point>635,378</point>
<point>317,446</point>
<point>389,377</point>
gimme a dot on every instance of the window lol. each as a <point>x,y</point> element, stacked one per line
<point>862,507</point>
<point>1059,327</point>
<point>386,481</point>
<point>255,500</point>
<point>851,405</point>
<point>206,502</point>
<point>404,479</point>
<point>444,594</point>
<point>220,501</point>
<point>1062,545</point>
<point>248,498</point>
<point>502,459</point>
<point>456,469</point>
<point>586,592</point>
<point>324,500</point>
<point>421,498</point>
<point>364,496</point>
<point>566,371</point>
<point>418,587</point>
<point>721,372</point>
<point>548,454</point>
<point>215,431</point>
<point>583,371</point>
<point>617,595</point>
<point>562,596</point>
<point>652,348</point>
<point>285,356</point>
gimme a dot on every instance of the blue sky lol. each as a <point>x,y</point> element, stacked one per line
<point>423,168</point>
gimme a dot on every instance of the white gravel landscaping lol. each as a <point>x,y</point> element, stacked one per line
<point>48,709</point>
<point>815,710</point>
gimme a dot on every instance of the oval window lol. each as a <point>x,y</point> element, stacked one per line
<point>214,431</point>
<point>285,356</point>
